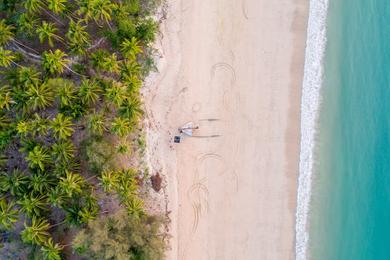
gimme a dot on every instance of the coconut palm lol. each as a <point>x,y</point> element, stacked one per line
<point>47,31</point>
<point>37,232</point>
<point>135,207</point>
<point>57,6</point>
<point>5,98</point>
<point>132,81</point>
<point>72,183</point>
<point>56,197</point>
<point>96,124</point>
<point>54,62</point>
<point>51,250</point>
<point>39,125</point>
<point>62,126</point>
<point>8,214</point>
<point>27,23</point>
<point>33,205</point>
<point>23,128</point>
<point>129,68</point>
<point>16,183</point>
<point>66,91</point>
<point>116,93</point>
<point>131,109</point>
<point>39,96</point>
<point>89,91</point>
<point>109,180</point>
<point>98,10</point>
<point>120,126</point>
<point>78,37</point>
<point>131,48</point>
<point>4,121</point>
<point>33,6</point>
<point>63,151</point>
<point>38,158</point>
<point>6,33</point>
<point>6,57</point>
<point>122,147</point>
<point>27,76</point>
<point>127,186</point>
<point>41,182</point>
<point>110,63</point>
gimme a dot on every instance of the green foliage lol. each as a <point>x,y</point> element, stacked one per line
<point>33,205</point>
<point>99,154</point>
<point>38,158</point>
<point>51,250</point>
<point>96,124</point>
<point>131,48</point>
<point>37,232</point>
<point>89,92</point>
<point>63,151</point>
<point>6,57</point>
<point>57,6</point>
<point>39,96</point>
<point>78,37</point>
<point>119,236</point>
<point>15,183</point>
<point>62,126</point>
<point>8,214</point>
<point>6,33</point>
<point>72,184</point>
<point>41,183</point>
<point>54,62</point>
<point>47,31</point>
<point>121,126</point>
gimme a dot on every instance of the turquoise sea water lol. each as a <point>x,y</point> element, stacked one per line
<point>350,206</point>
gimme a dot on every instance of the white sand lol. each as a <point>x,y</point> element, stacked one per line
<point>239,61</point>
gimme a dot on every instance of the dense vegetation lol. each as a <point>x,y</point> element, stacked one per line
<point>70,104</point>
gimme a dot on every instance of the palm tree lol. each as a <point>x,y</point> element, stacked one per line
<point>57,197</point>
<point>98,10</point>
<point>116,92</point>
<point>89,91</point>
<point>6,33</point>
<point>51,250</point>
<point>39,96</point>
<point>127,186</point>
<point>33,6</point>
<point>27,76</point>
<point>6,57</point>
<point>63,151</point>
<point>72,184</point>
<point>122,147</point>
<point>8,214</point>
<point>37,232</point>
<point>57,6</point>
<point>16,183</point>
<point>62,126</point>
<point>86,214</point>
<point>27,23</point>
<point>78,37</point>
<point>110,63</point>
<point>33,205</point>
<point>135,207</point>
<point>120,126</point>
<point>133,82</point>
<point>96,124</point>
<point>131,109</point>
<point>47,31</point>
<point>39,125</point>
<point>54,62</point>
<point>66,91</point>
<point>5,98</point>
<point>38,157</point>
<point>23,128</point>
<point>130,68</point>
<point>109,180</point>
<point>131,48</point>
<point>41,183</point>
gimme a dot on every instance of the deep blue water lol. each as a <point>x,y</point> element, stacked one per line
<point>350,209</point>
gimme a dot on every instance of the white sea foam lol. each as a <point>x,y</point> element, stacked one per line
<point>312,82</point>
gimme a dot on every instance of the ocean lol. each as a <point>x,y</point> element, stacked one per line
<point>344,187</point>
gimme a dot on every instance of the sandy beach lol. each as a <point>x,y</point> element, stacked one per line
<point>235,68</point>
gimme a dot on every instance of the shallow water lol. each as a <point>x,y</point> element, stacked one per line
<point>350,206</point>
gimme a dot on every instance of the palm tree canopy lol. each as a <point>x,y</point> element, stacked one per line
<point>62,126</point>
<point>96,124</point>
<point>39,96</point>
<point>37,232</point>
<point>8,214</point>
<point>16,183</point>
<point>6,57</point>
<point>89,91</point>
<point>72,183</point>
<point>6,33</point>
<point>121,126</point>
<point>38,158</point>
<point>57,6</point>
<point>33,205</point>
<point>131,48</point>
<point>52,250</point>
<point>54,62</point>
<point>63,151</point>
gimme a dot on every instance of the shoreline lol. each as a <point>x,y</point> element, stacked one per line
<point>310,105</point>
<point>171,100</point>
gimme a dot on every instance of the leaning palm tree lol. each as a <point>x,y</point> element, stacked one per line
<point>89,91</point>
<point>27,23</point>
<point>57,6</point>
<point>54,62</point>
<point>62,126</point>
<point>37,232</point>
<point>121,126</point>
<point>33,205</point>
<point>39,96</point>
<point>6,33</point>
<point>15,183</point>
<point>63,151</point>
<point>6,58</point>
<point>33,6</point>
<point>98,10</point>
<point>78,37</point>
<point>51,250</point>
<point>47,31</point>
<point>8,214</point>
<point>38,158</point>
<point>131,48</point>
<point>72,183</point>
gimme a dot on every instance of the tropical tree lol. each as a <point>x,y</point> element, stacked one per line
<point>116,92</point>
<point>127,186</point>
<point>52,250</point>
<point>63,151</point>
<point>121,126</point>
<point>38,157</point>
<point>23,128</point>
<point>66,91</point>
<point>39,125</point>
<point>6,33</point>
<point>131,109</point>
<point>57,197</point>
<point>33,205</point>
<point>47,31</point>
<point>109,180</point>
<point>89,91</point>
<point>8,214</point>
<point>40,96</point>
<point>131,48</point>
<point>78,37</point>
<point>57,6</point>
<point>62,126</point>
<point>54,62</point>
<point>96,124</point>
<point>130,68</point>
<point>98,10</point>
<point>135,207</point>
<point>33,6</point>
<point>72,183</point>
<point>6,57</point>
<point>123,147</point>
<point>132,81</point>
<point>110,63</point>
<point>27,23</point>
<point>5,98</point>
<point>16,183</point>
<point>41,182</point>
<point>28,76</point>
<point>37,232</point>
